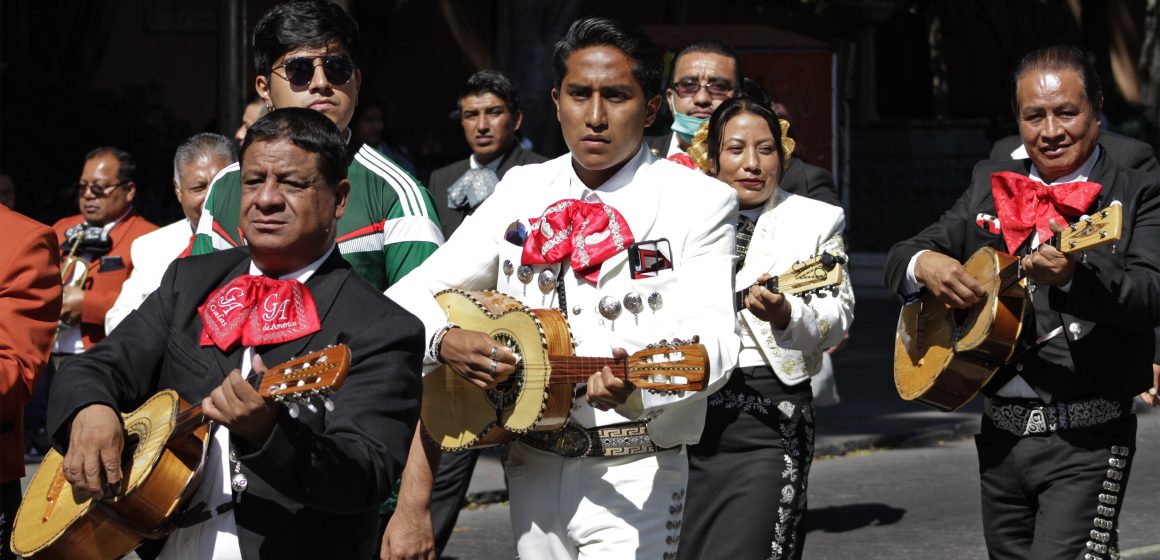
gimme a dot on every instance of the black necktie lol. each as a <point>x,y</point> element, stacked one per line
<point>745,228</point>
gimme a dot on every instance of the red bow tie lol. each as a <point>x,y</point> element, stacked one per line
<point>1025,205</point>
<point>589,233</point>
<point>257,310</point>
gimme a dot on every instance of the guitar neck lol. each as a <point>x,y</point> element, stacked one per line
<point>577,369</point>
<point>191,418</point>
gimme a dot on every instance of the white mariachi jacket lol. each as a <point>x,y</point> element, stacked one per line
<point>659,200</point>
<point>794,228</point>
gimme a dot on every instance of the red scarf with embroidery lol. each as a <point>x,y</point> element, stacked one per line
<point>585,233</point>
<point>1025,205</point>
<point>255,311</point>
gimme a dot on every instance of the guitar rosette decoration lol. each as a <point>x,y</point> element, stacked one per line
<point>256,311</point>
<point>585,233</point>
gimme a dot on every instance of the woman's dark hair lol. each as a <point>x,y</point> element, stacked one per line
<point>309,130</point>
<point>1057,58</point>
<point>725,113</point>
<point>610,32</point>
<point>302,23</point>
<point>495,83</point>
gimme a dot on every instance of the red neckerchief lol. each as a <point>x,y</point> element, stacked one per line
<point>587,233</point>
<point>256,310</point>
<point>1025,205</point>
<point>683,159</point>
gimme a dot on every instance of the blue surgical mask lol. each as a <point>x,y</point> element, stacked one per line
<point>686,126</point>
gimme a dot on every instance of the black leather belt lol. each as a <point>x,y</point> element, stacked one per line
<point>606,441</point>
<point>1034,417</point>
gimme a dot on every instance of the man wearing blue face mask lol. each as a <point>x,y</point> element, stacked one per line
<point>704,74</point>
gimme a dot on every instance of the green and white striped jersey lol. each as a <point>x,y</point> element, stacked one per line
<point>390,225</point>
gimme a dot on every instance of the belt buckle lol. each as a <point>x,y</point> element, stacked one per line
<point>572,441</point>
<point>1036,422</point>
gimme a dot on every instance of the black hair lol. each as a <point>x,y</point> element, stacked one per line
<point>1060,57</point>
<point>611,32</point>
<point>493,82</point>
<point>302,23</point>
<point>731,108</point>
<point>309,130</point>
<point>712,46</point>
<point>750,89</point>
<point>126,165</point>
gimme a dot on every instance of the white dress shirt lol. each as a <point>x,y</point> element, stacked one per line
<point>152,254</point>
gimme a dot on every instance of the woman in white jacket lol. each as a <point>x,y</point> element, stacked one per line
<point>747,476</point>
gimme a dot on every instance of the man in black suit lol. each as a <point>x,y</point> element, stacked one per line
<point>1058,434</point>
<point>489,110</point>
<point>284,487</point>
<point>1127,152</point>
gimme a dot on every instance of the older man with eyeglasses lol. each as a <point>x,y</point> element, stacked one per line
<point>98,240</point>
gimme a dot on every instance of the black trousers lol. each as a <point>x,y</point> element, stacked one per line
<point>9,503</point>
<point>1049,496</point>
<point>747,477</point>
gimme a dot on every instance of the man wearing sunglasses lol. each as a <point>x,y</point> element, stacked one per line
<point>306,54</point>
<point>99,238</point>
<point>704,74</point>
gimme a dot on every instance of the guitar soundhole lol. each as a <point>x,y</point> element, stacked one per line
<point>504,395</point>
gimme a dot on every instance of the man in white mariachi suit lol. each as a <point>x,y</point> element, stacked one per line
<point>596,505</point>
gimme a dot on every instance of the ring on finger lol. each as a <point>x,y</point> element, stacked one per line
<point>492,368</point>
<point>494,351</point>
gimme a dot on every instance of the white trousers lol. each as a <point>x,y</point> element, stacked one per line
<point>596,508</point>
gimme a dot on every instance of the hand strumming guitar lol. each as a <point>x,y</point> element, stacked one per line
<point>477,357</point>
<point>94,452</point>
<point>947,280</point>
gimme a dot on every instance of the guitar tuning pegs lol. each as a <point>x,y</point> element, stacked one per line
<point>328,404</point>
<point>827,260</point>
<point>834,291</point>
<point>1113,248</point>
<point>292,408</point>
<point>310,406</point>
<point>1083,258</point>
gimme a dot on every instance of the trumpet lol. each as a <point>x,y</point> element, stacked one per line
<point>73,269</point>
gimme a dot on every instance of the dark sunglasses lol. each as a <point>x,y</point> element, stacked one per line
<point>98,190</point>
<point>300,70</point>
<point>717,90</point>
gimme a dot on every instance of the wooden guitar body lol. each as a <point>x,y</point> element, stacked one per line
<point>538,396</point>
<point>942,356</point>
<point>166,441</point>
<point>458,415</point>
<point>160,471</point>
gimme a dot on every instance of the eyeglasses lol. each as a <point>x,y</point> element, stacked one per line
<point>98,189</point>
<point>717,89</point>
<point>300,70</point>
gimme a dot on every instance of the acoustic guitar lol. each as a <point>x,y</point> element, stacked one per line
<point>165,449</point>
<point>809,276</point>
<point>538,396</point>
<point>944,356</point>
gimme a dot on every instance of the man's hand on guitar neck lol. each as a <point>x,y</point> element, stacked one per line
<point>94,452</point>
<point>947,280</point>
<point>1049,266</point>
<point>605,390</point>
<point>236,405</point>
<point>477,357</point>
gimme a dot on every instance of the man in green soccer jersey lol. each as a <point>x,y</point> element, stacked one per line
<point>305,52</point>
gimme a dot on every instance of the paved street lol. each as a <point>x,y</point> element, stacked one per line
<point>882,505</point>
